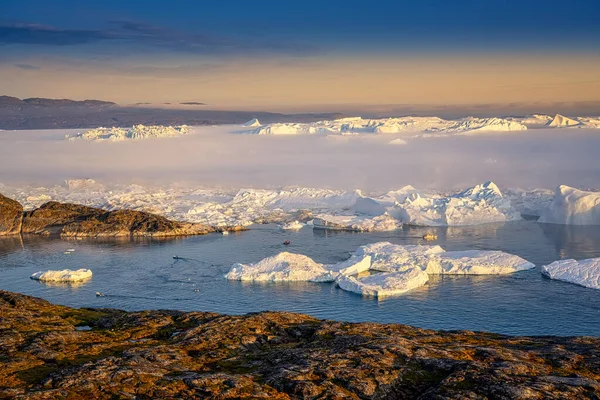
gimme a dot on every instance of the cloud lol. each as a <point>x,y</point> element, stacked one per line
<point>48,35</point>
<point>136,35</point>
<point>27,67</point>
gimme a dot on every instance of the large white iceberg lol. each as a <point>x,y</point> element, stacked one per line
<point>65,275</point>
<point>434,260</point>
<point>356,264</point>
<point>134,133</point>
<point>388,257</point>
<point>282,267</point>
<point>584,272</point>
<point>477,262</point>
<point>571,206</point>
<point>382,223</point>
<point>560,121</point>
<point>477,205</point>
<point>384,284</point>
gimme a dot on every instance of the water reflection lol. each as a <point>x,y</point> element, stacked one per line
<point>571,241</point>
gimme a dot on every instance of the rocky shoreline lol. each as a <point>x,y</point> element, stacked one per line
<point>73,220</point>
<point>50,351</point>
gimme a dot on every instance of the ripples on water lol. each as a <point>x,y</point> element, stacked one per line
<point>142,274</point>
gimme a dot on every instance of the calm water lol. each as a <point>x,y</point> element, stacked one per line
<point>142,274</point>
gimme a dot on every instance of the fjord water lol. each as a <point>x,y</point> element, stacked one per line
<point>142,274</point>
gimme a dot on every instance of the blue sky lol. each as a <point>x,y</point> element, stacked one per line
<point>37,35</point>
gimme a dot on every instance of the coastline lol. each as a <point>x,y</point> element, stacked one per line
<point>52,351</point>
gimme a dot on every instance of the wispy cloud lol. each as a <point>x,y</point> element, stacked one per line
<point>137,35</point>
<point>27,67</point>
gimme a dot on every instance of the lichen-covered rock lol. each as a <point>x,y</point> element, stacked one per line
<point>274,355</point>
<point>11,216</point>
<point>72,220</point>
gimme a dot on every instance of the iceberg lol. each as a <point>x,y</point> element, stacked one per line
<point>292,226</point>
<point>384,284</point>
<point>66,275</point>
<point>434,260</point>
<point>253,123</point>
<point>388,257</point>
<point>478,205</point>
<point>134,133</point>
<point>477,262</point>
<point>352,266</point>
<point>584,272</point>
<point>571,206</point>
<point>382,223</point>
<point>282,267</point>
<point>560,121</point>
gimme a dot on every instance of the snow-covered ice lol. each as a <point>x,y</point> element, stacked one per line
<point>560,121</point>
<point>384,284</point>
<point>584,272</point>
<point>134,133</point>
<point>354,265</point>
<point>282,267</point>
<point>65,275</point>
<point>571,206</point>
<point>381,223</point>
<point>388,257</point>
<point>477,262</point>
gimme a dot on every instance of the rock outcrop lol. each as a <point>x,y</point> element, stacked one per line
<point>49,351</point>
<point>73,220</point>
<point>11,216</point>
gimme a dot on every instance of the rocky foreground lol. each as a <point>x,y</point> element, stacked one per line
<point>49,351</point>
<point>73,220</point>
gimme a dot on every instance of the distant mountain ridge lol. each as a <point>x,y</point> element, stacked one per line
<point>42,113</point>
<point>44,102</point>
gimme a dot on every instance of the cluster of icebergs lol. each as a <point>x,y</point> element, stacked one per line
<point>358,125</point>
<point>136,132</point>
<point>331,209</point>
<point>422,126</point>
<point>381,269</point>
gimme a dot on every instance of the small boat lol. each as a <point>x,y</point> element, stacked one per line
<point>287,242</point>
<point>429,236</point>
<point>99,294</point>
<point>177,258</point>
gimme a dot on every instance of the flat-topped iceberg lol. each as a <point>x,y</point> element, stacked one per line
<point>477,262</point>
<point>384,284</point>
<point>388,257</point>
<point>65,275</point>
<point>572,206</point>
<point>281,267</point>
<point>381,223</point>
<point>584,272</point>
<point>134,133</point>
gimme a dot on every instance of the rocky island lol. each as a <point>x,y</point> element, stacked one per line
<point>50,351</point>
<point>72,220</point>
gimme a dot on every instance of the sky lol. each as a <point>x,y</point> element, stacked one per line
<point>303,55</point>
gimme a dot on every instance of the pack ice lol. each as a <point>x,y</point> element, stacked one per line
<point>571,206</point>
<point>136,132</point>
<point>381,223</point>
<point>584,272</point>
<point>65,275</point>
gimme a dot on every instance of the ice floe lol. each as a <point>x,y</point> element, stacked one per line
<point>65,275</point>
<point>384,284</point>
<point>584,272</point>
<point>572,206</point>
<point>134,133</point>
<point>381,223</point>
<point>282,267</point>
